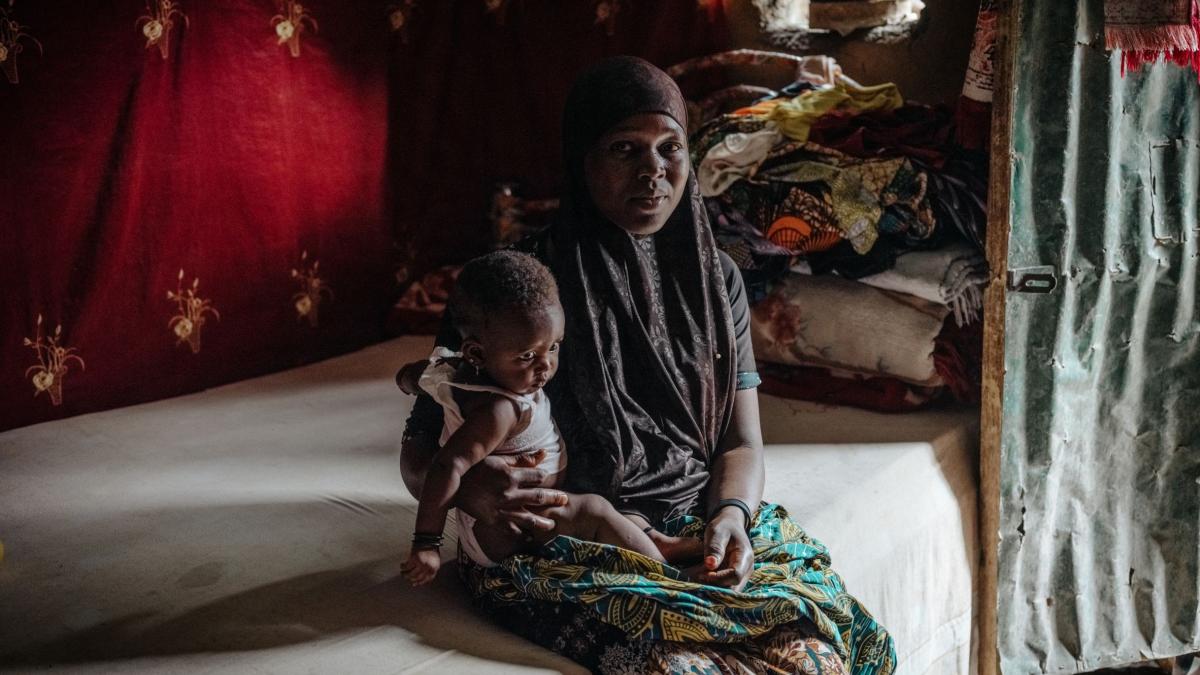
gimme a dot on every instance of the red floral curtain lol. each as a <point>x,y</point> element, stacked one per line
<point>199,191</point>
<point>191,197</point>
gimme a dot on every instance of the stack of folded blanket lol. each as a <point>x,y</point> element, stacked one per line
<point>858,226</point>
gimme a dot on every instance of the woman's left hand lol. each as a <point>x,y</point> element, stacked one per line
<point>728,555</point>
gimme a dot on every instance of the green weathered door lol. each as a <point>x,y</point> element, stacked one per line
<point>1100,446</point>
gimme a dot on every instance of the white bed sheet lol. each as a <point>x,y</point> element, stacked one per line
<point>259,528</point>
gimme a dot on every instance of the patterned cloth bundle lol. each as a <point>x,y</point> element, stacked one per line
<point>858,225</point>
<point>792,582</point>
<point>1148,31</point>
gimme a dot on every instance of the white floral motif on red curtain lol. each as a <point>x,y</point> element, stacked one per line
<point>12,37</point>
<point>292,20</point>
<point>399,16</point>
<point>193,313</point>
<point>157,24</point>
<point>497,8</point>
<point>312,290</point>
<point>53,362</point>
<point>606,14</point>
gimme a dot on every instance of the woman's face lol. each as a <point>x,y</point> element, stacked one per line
<point>635,173</point>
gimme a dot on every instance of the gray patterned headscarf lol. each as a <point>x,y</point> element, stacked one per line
<point>647,381</point>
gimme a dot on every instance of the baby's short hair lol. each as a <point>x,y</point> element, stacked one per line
<point>502,281</point>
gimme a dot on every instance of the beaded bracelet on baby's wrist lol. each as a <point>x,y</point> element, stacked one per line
<point>426,540</point>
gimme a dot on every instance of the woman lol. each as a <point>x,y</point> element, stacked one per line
<point>655,398</point>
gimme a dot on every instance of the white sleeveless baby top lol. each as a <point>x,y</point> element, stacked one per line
<point>535,429</point>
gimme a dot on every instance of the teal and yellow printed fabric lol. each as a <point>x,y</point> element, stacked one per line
<point>791,581</point>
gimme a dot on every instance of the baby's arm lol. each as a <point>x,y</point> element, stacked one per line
<point>487,421</point>
<point>409,377</point>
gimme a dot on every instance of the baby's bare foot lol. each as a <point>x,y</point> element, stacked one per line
<point>677,550</point>
<point>696,572</point>
<point>699,573</point>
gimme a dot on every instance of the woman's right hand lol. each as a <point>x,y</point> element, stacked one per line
<point>501,490</point>
<point>728,554</point>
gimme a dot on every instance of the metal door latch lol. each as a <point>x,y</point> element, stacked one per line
<point>1040,279</point>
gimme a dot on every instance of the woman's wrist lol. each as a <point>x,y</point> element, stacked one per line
<point>733,508</point>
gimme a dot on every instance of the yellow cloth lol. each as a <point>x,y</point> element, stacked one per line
<point>795,117</point>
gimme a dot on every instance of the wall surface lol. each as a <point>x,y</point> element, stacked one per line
<point>1100,458</point>
<point>928,68</point>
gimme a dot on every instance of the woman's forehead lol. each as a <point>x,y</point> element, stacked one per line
<point>647,123</point>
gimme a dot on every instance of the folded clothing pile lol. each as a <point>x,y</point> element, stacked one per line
<point>858,227</point>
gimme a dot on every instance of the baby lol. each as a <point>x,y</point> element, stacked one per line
<point>505,306</point>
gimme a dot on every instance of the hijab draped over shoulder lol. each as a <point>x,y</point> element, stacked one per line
<point>646,387</point>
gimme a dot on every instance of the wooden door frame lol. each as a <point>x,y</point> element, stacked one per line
<point>991,412</point>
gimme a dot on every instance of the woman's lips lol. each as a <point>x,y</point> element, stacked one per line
<point>652,203</point>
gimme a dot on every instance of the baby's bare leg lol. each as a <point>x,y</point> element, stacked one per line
<point>499,542</point>
<point>593,518</point>
<point>677,550</point>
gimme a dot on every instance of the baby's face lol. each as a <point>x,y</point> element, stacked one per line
<point>520,351</point>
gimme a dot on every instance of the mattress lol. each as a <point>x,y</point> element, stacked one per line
<point>259,528</point>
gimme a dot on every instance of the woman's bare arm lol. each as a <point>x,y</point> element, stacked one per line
<point>737,473</point>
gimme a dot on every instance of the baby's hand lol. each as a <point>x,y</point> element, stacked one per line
<point>422,565</point>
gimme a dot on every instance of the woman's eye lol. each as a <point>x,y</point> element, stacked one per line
<point>621,146</point>
<point>671,147</point>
